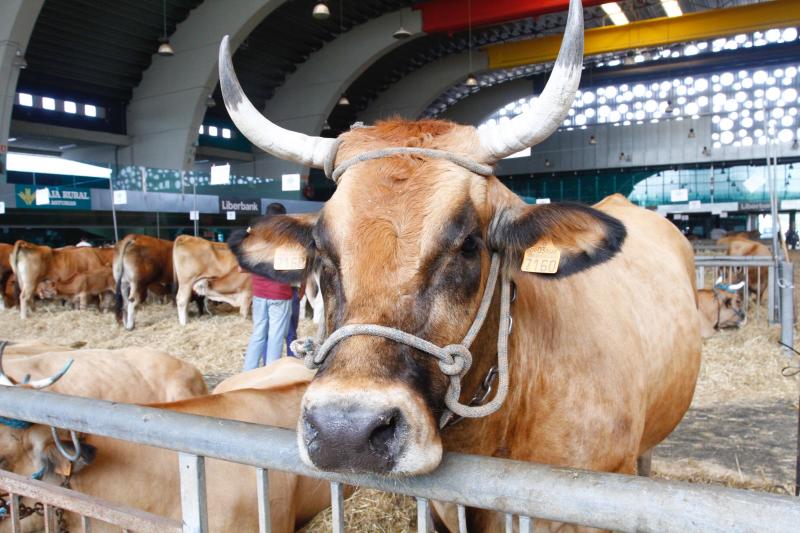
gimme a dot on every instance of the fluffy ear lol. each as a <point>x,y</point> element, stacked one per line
<point>289,235</point>
<point>584,236</point>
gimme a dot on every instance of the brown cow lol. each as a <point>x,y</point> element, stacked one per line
<point>210,269</point>
<point>141,263</point>
<point>602,359</point>
<point>720,307</point>
<point>97,284</point>
<point>147,478</point>
<point>10,292</point>
<point>32,264</point>
<point>6,271</point>
<point>757,278</point>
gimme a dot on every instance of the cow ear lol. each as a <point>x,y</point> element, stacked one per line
<point>582,235</point>
<point>285,238</point>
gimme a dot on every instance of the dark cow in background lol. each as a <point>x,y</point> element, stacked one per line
<point>603,357</point>
<point>141,264</point>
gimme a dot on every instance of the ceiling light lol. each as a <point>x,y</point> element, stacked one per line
<point>210,102</point>
<point>343,100</point>
<point>401,33</point>
<point>471,80</point>
<point>547,163</point>
<point>691,133</point>
<point>12,139</point>
<point>164,48</point>
<point>671,8</point>
<point>615,13</point>
<point>321,11</point>
<point>592,140</point>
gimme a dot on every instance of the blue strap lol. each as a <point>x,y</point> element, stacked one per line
<point>15,423</point>
<point>39,474</point>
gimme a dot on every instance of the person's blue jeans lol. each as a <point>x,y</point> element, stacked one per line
<point>270,323</point>
<point>292,333</point>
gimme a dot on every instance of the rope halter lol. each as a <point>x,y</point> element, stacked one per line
<point>455,360</point>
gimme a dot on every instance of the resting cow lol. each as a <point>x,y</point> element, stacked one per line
<point>720,308</point>
<point>603,356</point>
<point>32,264</point>
<point>141,263</point>
<point>97,284</point>
<point>209,269</point>
<point>757,278</point>
<point>148,478</point>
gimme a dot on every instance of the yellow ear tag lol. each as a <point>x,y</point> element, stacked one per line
<point>64,468</point>
<point>289,258</point>
<point>542,258</point>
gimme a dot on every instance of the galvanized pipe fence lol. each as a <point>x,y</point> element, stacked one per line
<point>526,490</point>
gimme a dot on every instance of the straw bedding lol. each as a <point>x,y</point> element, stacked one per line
<point>739,432</point>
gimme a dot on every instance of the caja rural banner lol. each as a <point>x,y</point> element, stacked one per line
<point>60,198</point>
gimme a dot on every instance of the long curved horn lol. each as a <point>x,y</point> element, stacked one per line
<point>548,112</point>
<point>736,286</point>
<point>718,282</point>
<point>4,379</point>
<point>280,142</point>
<point>46,382</point>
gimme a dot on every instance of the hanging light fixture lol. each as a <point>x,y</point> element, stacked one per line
<point>164,48</point>
<point>592,139</point>
<point>401,33</point>
<point>344,100</point>
<point>19,60</point>
<point>471,80</point>
<point>321,11</point>
<point>691,133</point>
<point>210,102</point>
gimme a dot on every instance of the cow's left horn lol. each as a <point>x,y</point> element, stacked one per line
<point>4,379</point>
<point>548,112</point>
<point>46,382</point>
<point>736,286</point>
<point>280,142</point>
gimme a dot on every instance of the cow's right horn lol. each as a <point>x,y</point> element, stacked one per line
<point>46,382</point>
<point>280,142</point>
<point>548,112</point>
<point>4,379</point>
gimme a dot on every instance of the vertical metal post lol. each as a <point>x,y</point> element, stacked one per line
<point>771,299</point>
<point>337,507</point>
<point>158,225</point>
<point>111,192</point>
<point>15,525</point>
<point>194,510</point>
<point>423,516</point>
<point>700,274</point>
<point>786,284</point>
<point>509,523</point>
<point>194,208</point>
<point>525,524</point>
<point>462,519</point>
<point>86,524</point>
<point>262,488</point>
<point>50,519</point>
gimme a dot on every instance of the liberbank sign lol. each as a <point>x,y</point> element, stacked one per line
<point>241,207</point>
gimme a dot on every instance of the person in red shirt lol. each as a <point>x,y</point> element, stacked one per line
<point>272,311</point>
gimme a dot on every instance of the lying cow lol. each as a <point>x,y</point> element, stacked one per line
<point>757,278</point>
<point>209,269</point>
<point>601,362</point>
<point>141,264</point>
<point>32,264</point>
<point>147,478</point>
<point>98,284</point>
<point>720,307</point>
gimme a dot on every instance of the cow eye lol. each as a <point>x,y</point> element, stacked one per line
<point>469,246</point>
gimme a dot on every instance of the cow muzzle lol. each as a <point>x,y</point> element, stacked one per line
<point>385,430</point>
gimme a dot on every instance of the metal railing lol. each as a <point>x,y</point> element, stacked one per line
<point>736,268</point>
<point>602,500</point>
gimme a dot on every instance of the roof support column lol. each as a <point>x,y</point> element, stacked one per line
<point>16,26</point>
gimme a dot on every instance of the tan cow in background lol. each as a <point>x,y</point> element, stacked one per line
<point>211,270</point>
<point>98,284</point>
<point>147,478</point>
<point>757,278</point>
<point>141,264</point>
<point>720,308</point>
<point>33,264</point>
<point>6,273</point>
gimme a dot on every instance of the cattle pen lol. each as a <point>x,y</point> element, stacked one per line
<point>530,491</point>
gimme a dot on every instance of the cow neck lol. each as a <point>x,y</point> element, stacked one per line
<point>455,360</point>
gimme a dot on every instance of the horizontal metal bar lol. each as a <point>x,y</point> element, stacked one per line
<point>733,260</point>
<point>58,497</point>
<point>596,499</point>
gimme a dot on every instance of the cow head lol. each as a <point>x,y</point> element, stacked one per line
<point>46,290</point>
<point>406,242</point>
<point>730,313</point>
<point>26,448</point>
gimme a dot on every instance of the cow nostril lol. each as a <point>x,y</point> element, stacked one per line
<point>384,433</point>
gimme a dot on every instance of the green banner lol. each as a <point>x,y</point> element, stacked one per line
<point>60,198</point>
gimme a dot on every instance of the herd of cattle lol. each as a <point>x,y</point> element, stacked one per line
<point>191,269</point>
<point>122,276</point>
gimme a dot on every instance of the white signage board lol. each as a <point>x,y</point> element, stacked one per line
<point>221,175</point>
<point>694,204</point>
<point>231,215</point>
<point>194,215</point>
<point>540,201</point>
<point>2,208</point>
<point>679,195</point>
<point>290,182</point>
<point>790,204</point>
<point>120,197</point>
<point>43,196</point>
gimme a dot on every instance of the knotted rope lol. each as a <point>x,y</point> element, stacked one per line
<point>454,360</point>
